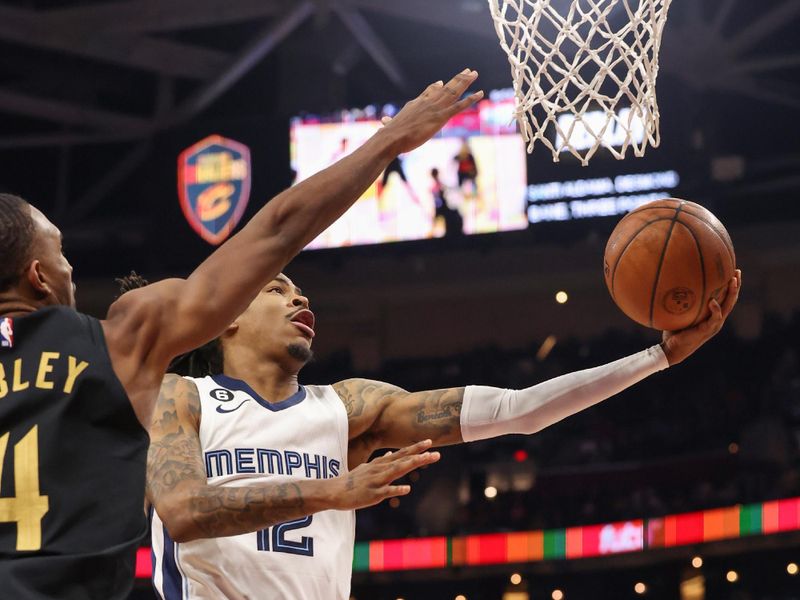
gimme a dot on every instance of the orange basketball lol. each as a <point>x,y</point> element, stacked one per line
<point>665,260</point>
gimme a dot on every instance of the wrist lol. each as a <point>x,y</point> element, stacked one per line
<point>669,353</point>
<point>322,494</point>
<point>388,144</point>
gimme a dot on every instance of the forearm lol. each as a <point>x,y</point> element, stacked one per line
<point>218,290</point>
<point>223,286</point>
<point>433,415</point>
<point>305,210</point>
<point>220,511</point>
<point>491,412</point>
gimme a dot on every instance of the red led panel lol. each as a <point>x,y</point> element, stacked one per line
<point>144,564</point>
<point>487,549</point>
<point>781,515</point>
<point>689,528</point>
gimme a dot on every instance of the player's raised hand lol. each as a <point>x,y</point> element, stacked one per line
<point>373,482</point>
<point>678,345</point>
<point>421,118</point>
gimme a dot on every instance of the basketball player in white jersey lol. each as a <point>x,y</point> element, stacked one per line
<point>244,420</point>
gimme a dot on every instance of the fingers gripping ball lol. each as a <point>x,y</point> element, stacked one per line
<point>665,260</point>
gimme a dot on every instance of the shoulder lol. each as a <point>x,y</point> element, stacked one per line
<point>180,387</point>
<point>179,397</point>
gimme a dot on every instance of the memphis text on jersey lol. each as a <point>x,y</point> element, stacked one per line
<point>239,461</point>
<point>49,370</point>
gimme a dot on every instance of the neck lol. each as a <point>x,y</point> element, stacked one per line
<point>272,380</point>
<point>14,305</point>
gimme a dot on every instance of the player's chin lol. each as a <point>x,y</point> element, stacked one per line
<point>300,350</point>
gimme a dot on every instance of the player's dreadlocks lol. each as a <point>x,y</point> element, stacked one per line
<point>16,238</point>
<point>202,361</point>
<point>134,281</point>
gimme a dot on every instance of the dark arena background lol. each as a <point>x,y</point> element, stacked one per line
<point>686,486</point>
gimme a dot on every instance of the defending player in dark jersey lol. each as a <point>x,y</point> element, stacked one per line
<point>76,394</point>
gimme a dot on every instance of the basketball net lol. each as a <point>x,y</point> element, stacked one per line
<point>584,72</point>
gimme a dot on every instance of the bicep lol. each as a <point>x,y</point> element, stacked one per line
<point>224,285</point>
<point>363,400</point>
<point>173,316</point>
<point>148,328</point>
<point>174,460</point>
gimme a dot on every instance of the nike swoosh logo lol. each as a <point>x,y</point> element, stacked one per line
<point>221,410</point>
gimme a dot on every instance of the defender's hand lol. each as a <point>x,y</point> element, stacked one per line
<point>422,118</point>
<point>678,345</point>
<point>371,483</point>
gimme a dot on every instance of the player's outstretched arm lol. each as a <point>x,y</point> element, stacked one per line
<point>384,416</point>
<point>191,509</point>
<point>224,284</point>
<point>153,324</point>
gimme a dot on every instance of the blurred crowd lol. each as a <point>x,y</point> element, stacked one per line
<point>721,428</point>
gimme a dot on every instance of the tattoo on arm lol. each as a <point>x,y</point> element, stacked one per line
<point>439,407</point>
<point>384,415</point>
<point>353,400</point>
<point>174,456</point>
<point>176,472</point>
<point>438,415</point>
<point>363,400</point>
<point>223,511</point>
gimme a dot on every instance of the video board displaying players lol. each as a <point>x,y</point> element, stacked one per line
<point>471,178</point>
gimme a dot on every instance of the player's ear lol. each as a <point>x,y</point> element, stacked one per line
<point>36,278</point>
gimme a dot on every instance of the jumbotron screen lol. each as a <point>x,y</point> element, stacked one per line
<point>471,178</point>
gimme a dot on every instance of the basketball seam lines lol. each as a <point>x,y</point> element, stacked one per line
<point>642,209</point>
<point>661,261</point>
<point>625,249</point>
<point>702,270</point>
<point>725,243</point>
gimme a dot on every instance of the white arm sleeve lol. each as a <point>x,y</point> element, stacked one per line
<point>489,412</point>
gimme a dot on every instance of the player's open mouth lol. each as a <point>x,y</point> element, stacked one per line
<point>304,321</point>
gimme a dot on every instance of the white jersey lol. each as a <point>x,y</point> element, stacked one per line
<point>248,441</point>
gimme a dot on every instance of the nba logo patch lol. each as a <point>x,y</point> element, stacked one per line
<point>6,333</point>
<point>214,186</point>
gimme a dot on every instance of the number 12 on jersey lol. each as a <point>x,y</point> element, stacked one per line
<point>305,547</point>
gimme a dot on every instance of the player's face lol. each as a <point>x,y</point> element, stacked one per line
<point>55,269</point>
<point>279,321</point>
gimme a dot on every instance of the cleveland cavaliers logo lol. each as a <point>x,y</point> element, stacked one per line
<point>214,186</point>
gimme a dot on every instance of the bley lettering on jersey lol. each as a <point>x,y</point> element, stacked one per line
<point>51,371</point>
